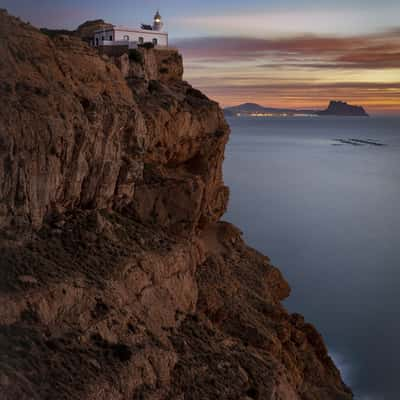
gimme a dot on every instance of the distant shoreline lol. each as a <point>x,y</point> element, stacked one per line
<point>276,116</point>
<point>335,108</point>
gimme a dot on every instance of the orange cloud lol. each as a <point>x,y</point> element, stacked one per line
<point>302,71</point>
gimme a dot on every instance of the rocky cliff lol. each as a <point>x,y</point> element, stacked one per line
<point>84,31</point>
<point>117,278</point>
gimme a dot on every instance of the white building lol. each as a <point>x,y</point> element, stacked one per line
<point>131,37</point>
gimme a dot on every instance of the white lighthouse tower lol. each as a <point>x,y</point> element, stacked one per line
<point>157,24</point>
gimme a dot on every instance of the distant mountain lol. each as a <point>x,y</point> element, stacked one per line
<point>253,108</point>
<point>338,108</point>
<point>341,108</point>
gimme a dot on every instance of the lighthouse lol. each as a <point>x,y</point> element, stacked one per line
<point>157,24</point>
<point>131,38</point>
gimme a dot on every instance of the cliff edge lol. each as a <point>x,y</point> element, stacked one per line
<point>117,278</point>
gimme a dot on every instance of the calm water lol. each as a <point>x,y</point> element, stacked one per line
<point>329,217</point>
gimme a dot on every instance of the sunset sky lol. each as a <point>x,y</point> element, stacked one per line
<point>293,53</point>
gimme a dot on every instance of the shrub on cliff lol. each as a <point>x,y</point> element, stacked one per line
<point>147,45</point>
<point>52,33</point>
<point>135,56</point>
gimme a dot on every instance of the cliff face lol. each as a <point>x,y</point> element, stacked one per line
<point>117,279</point>
<point>74,134</point>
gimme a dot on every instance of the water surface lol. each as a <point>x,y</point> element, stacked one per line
<point>328,215</point>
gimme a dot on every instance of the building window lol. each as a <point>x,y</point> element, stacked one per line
<point>97,41</point>
<point>111,37</point>
<point>141,40</point>
<point>155,42</point>
<point>126,37</point>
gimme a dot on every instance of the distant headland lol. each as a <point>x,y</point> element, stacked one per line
<point>341,108</point>
<point>335,108</point>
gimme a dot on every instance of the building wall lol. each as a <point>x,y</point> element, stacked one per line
<point>120,35</point>
<point>106,35</point>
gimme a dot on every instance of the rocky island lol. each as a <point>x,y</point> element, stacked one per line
<point>341,108</point>
<point>118,279</point>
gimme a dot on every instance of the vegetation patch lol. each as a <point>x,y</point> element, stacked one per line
<point>136,56</point>
<point>52,33</point>
<point>147,45</point>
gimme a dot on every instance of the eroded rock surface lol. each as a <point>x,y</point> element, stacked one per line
<point>74,134</point>
<point>117,278</point>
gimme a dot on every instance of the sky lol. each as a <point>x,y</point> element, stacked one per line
<point>293,53</point>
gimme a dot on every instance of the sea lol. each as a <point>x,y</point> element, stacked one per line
<point>321,197</point>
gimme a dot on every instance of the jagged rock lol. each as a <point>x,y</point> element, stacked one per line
<point>117,280</point>
<point>86,30</point>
